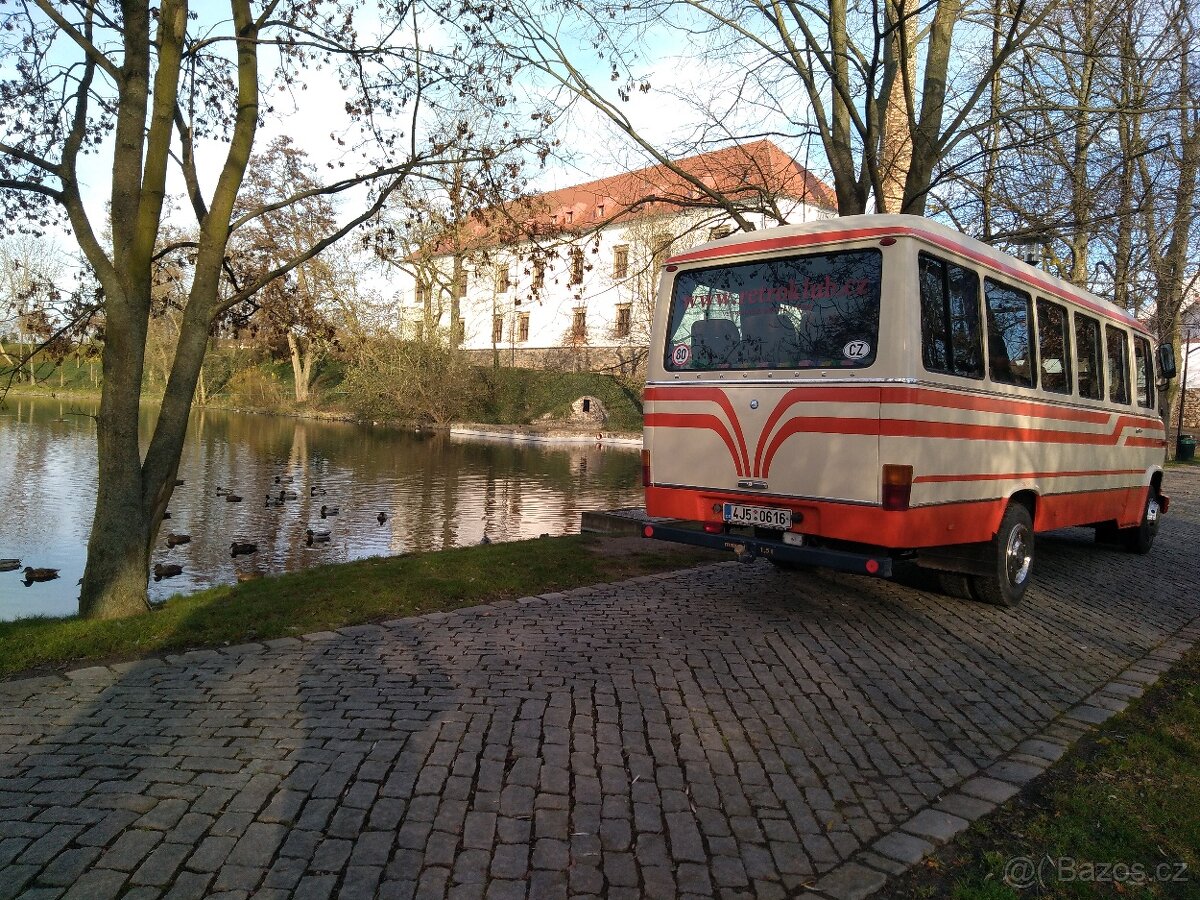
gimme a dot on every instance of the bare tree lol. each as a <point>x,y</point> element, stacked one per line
<point>293,315</point>
<point>884,90</point>
<point>1095,159</point>
<point>162,84</point>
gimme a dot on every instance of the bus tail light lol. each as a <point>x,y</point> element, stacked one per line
<point>897,486</point>
<point>645,468</point>
<point>713,527</point>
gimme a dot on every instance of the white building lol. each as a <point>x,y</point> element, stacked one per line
<point>566,279</point>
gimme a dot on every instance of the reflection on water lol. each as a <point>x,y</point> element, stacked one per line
<point>435,491</point>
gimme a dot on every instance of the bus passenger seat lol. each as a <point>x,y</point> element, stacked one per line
<point>771,340</point>
<point>713,342</point>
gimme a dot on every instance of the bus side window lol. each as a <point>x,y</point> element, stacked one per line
<point>1143,371</point>
<point>1087,348</point>
<point>1010,344</point>
<point>950,333</point>
<point>935,348</point>
<point>1117,345</point>
<point>1053,346</point>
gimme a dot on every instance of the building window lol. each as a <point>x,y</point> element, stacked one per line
<point>497,329</point>
<point>624,320</point>
<point>539,273</point>
<point>460,284</point>
<point>523,328</point>
<point>576,265</point>
<point>579,324</point>
<point>570,216</point>
<point>425,295</point>
<point>621,261</point>
<point>600,211</point>
<point>502,279</point>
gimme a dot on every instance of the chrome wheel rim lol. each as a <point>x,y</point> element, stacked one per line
<point>1018,556</point>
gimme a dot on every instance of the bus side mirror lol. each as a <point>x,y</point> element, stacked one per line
<point>1166,361</point>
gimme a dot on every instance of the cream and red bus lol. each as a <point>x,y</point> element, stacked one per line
<point>862,390</point>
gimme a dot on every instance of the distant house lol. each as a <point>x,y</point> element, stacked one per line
<point>567,278</point>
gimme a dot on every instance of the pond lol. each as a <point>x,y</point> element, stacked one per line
<point>434,491</point>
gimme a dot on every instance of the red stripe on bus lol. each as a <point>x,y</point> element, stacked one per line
<point>975,403</point>
<point>702,421</point>
<point>797,395</point>
<point>719,397</point>
<point>1006,476</point>
<point>919,428</point>
<point>766,245</point>
<point>921,396</point>
<point>816,425</point>
<point>1026,275</point>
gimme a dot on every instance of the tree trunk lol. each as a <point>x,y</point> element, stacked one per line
<point>895,152</point>
<point>118,560</point>
<point>301,367</point>
<point>1129,137</point>
<point>927,136</point>
<point>1082,197</point>
<point>851,196</point>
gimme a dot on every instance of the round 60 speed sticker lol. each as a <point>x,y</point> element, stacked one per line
<point>856,350</point>
<point>681,354</point>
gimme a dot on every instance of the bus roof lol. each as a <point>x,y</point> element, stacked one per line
<point>786,237</point>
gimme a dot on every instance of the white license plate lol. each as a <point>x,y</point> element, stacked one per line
<point>760,516</point>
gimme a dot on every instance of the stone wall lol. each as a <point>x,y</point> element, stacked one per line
<point>1191,412</point>
<point>610,360</point>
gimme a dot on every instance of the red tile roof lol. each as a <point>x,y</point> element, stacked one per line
<point>742,173</point>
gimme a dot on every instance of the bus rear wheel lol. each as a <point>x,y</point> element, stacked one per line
<point>1011,553</point>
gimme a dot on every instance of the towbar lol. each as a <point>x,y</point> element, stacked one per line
<point>746,548</point>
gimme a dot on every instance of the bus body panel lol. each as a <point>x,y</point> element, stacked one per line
<point>927,526</point>
<point>804,442</point>
<point>815,441</point>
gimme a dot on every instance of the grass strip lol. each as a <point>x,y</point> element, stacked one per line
<point>1118,816</point>
<point>333,596</point>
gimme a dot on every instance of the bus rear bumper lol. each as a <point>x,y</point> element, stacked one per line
<point>747,549</point>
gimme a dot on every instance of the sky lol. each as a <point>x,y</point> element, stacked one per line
<point>591,147</point>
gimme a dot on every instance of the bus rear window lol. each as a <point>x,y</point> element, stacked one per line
<point>816,311</point>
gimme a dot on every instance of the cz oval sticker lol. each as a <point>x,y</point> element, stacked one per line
<point>856,350</point>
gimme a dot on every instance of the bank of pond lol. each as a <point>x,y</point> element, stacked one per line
<point>262,495</point>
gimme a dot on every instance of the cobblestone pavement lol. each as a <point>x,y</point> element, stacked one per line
<point>725,731</point>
